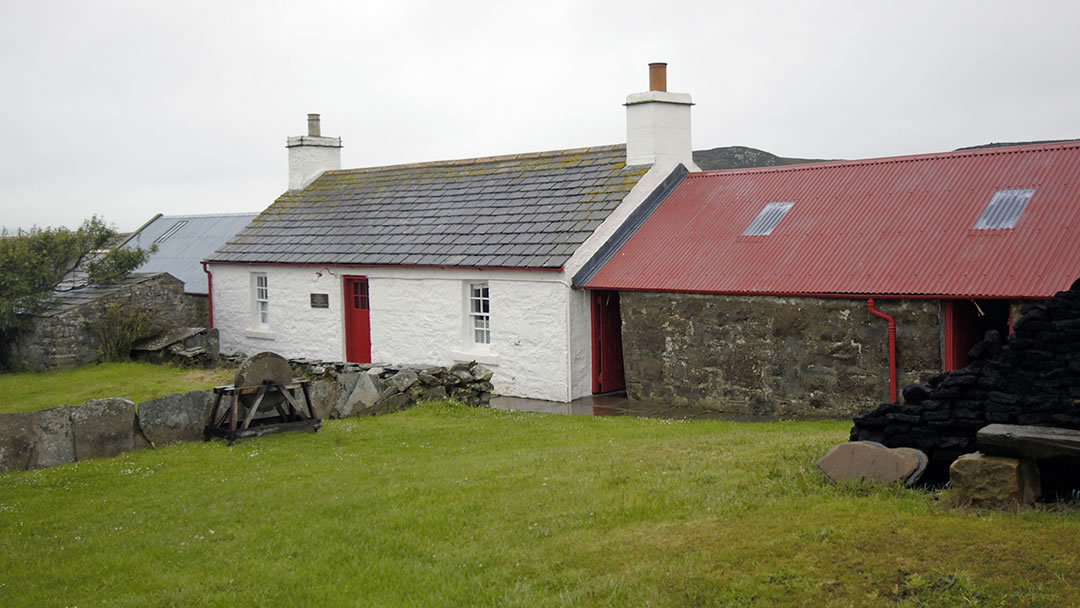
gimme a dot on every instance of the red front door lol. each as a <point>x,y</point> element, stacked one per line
<point>607,355</point>
<point>357,320</point>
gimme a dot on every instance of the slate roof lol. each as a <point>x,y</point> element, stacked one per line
<point>183,241</point>
<point>520,211</point>
<point>66,299</point>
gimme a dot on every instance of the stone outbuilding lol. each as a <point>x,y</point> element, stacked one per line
<point>67,334</point>
<point>819,289</point>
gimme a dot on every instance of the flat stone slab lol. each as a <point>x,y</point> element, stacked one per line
<point>54,442</point>
<point>103,428</point>
<point>17,430</point>
<point>175,418</point>
<point>873,462</point>
<point>171,336</point>
<point>1038,442</point>
<point>994,481</point>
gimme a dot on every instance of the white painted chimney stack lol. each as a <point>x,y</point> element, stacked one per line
<point>311,154</point>
<point>658,124</point>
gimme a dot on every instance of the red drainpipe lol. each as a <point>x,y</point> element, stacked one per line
<point>209,294</point>
<point>892,346</point>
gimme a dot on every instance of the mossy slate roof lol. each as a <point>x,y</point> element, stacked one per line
<point>520,211</point>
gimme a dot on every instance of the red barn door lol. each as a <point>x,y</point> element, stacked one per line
<point>607,355</point>
<point>357,320</point>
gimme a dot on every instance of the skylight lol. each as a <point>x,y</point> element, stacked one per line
<point>767,219</point>
<point>1004,209</point>
<point>171,231</point>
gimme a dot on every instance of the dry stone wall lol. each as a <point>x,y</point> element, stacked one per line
<point>107,427</point>
<point>340,390</point>
<point>1031,377</point>
<point>771,356</point>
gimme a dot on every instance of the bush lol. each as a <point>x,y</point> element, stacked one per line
<point>119,329</point>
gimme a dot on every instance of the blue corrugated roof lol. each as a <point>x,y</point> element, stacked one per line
<point>184,241</point>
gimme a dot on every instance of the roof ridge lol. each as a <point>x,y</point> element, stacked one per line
<point>166,217</point>
<point>907,158</point>
<point>483,159</point>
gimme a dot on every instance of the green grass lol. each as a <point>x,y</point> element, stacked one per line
<point>444,505</point>
<point>135,381</point>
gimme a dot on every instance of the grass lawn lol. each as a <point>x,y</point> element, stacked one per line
<point>444,505</point>
<point>135,381</point>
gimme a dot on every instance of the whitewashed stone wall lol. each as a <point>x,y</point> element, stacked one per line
<point>540,327</point>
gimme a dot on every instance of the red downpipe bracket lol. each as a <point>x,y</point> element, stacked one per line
<point>209,294</point>
<point>892,346</point>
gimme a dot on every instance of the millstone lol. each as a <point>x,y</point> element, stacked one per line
<point>257,369</point>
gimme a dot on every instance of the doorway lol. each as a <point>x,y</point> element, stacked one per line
<point>607,354</point>
<point>966,322</point>
<point>357,320</point>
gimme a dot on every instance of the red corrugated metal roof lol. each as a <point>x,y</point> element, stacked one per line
<point>889,226</point>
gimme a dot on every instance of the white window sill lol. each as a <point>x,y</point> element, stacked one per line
<point>483,357</point>
<point>260,334</point>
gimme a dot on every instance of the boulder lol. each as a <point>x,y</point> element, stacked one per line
<point>873,462</point>
<point>922,460</point>
<point>402,380</point>
<point>326,393</point>
<point>54,442</point>
<point>175,418</point>
<point>994,481</point>
<point>364,394</point>
<point>346,383</point>
<point>434,393</point>
<point>17,432</point>
<point>103,428</point>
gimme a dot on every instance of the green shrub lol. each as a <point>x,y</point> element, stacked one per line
<point>119,329</point>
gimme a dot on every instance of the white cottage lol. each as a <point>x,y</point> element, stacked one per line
<point>441,262</point>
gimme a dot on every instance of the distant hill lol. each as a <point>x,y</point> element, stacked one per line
<point>1005,144</point>
<point>741,157</point>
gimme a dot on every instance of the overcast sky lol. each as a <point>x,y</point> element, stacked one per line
<point>127,109</point>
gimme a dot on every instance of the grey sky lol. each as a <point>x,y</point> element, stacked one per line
<point>127,109</point>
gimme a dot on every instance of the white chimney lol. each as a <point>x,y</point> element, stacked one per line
<point>658,124</point>
<point>311,154</point>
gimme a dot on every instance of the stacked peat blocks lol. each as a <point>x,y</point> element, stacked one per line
<point>1030,378</point>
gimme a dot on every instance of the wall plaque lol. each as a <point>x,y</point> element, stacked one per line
<point>320,300</point>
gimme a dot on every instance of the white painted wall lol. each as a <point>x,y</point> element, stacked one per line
<point>658,128</point>
<point>540,328</point>
<point>310,156</point>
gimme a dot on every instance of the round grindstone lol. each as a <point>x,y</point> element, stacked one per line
<point>257,369</point>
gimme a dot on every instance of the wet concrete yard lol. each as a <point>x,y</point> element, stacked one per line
<point>617,404</point>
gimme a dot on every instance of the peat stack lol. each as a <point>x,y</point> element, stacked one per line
<point>1032,377</point>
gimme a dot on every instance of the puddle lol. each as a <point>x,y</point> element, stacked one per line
<point>617,404</point>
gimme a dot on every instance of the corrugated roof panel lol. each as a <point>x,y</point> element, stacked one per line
<point>183,241</point>
<point>892,226</point>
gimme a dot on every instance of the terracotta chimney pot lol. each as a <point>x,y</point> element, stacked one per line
<point>657,76</point>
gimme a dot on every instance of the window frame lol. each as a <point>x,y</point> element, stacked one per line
<point>768,218</point>
<point>478,314</point>
<point>1004,209</point>
<point>260,299</point>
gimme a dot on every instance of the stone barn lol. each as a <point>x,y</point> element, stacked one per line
<point>67,333</point>
<point>818,290</point>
